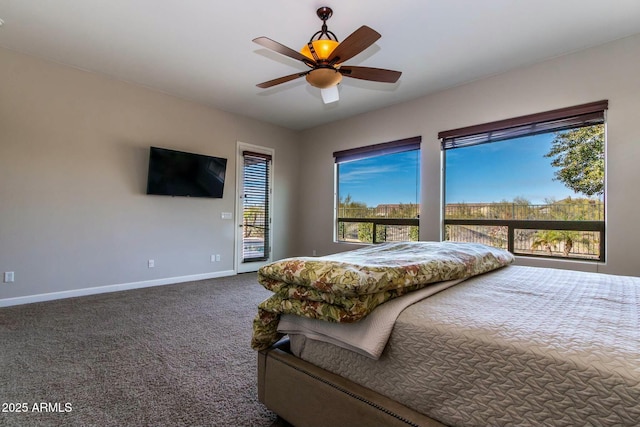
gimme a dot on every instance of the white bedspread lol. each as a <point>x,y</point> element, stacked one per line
<point>368,336</point>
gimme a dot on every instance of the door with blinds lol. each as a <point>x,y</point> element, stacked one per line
<point>254,207</point>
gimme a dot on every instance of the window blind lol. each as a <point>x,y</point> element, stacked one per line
<point>256,208</point>
<point>533,124</point>
<point>378,149</point>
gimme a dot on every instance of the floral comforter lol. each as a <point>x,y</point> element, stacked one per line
<point>347,286</point>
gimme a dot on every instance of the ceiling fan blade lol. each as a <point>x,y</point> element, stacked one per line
<point>280,80</point>
<point>283,50</point>
<point>330,94</point>
<point>358,41</point>
<point>373,74</point>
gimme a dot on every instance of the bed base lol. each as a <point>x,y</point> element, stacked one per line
<point>308,396</point>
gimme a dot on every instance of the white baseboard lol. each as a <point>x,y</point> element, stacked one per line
<point>7,302</point>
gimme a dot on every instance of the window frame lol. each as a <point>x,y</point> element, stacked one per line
<point>365,152</point>
<point>533,124</point>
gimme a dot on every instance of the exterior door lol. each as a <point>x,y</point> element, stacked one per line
<point>253,212</point>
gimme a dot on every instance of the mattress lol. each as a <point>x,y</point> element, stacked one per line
<point>517,346</point>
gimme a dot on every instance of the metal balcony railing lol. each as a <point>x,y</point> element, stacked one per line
<point>564,230</point>
<point>567,230</point>
<point>384,223</point>
<point>567,239</point>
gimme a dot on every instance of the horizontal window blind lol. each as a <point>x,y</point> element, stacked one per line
<point>256,199</point>
<point>533,124</point>
<point>378,149</point>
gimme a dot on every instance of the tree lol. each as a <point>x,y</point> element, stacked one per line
<point>254,218</point>
<point>547,239</point>
<point>579,153</point>
<point>567,209</point>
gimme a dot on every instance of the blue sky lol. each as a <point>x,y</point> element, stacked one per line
<point>379,180</point>
<point>503,171</point>
<point>480,174</point>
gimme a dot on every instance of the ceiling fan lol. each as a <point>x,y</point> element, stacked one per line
<point>325,56</point>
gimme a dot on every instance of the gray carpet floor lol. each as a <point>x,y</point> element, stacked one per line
<point>169,355</point>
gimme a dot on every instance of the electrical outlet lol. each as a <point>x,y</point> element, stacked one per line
<point>217,258</point>
<point>9,276</point>
<point>152,263</point>
<point>213,258</point>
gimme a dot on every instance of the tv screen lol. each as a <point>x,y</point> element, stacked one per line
<point>176,173</point>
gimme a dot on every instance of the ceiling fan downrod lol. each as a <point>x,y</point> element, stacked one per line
<point>324,13</point>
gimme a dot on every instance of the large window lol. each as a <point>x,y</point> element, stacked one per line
<point>377,192</point>
<point>533,185</point>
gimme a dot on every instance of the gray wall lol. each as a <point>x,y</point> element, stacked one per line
<point>73,165</point>
<point>73,162</point>
<point>607,72</point>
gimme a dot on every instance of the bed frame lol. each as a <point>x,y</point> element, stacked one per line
<point>308,396</point>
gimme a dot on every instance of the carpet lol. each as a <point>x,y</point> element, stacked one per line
<point>176,355</point>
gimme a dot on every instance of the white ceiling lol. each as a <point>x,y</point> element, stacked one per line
<point>202,50</point>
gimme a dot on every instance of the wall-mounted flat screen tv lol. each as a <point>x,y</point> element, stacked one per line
<point>176,173</point>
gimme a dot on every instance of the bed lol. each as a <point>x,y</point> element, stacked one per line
<point>512,345</point>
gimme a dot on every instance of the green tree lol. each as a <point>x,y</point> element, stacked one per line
<point>414,233</point>
<point>365,232</point>
<point>567,209</point>
<point>253,220</point>
<point>579,155</point>
<point>547,239</point>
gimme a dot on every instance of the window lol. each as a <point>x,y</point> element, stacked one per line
<point>533,184</point>
<point>255,207</point>
<point>377,192</point>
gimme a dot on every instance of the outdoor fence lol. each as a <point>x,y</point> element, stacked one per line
<point>584,211</point>
<point>568,230</point>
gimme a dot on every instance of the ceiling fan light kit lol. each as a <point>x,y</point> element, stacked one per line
<point>329,94</point>
<point>324,54</point>
<point>322,48</point>
<point>323,78</point>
